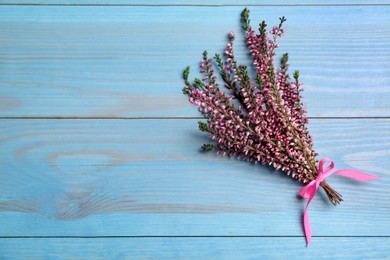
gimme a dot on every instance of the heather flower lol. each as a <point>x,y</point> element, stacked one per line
<point>260,118</point>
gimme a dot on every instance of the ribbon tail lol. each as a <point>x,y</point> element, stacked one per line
<point>359,176</point>
<point>306,225</point>
<point>310,191</point>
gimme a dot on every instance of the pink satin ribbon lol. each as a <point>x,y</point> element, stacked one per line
<point>310,190</point>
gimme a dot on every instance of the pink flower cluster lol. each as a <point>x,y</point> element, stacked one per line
<point>258,118</point>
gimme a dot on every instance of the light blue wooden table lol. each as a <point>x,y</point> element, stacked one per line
<point>99,150</point>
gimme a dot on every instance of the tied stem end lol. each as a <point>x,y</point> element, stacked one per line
<point>333,195</point>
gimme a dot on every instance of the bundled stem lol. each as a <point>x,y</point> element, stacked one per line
<point>261,120</point>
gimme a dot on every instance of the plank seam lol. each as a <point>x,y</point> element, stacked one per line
<point>189,5</point>
<point>289,236</point>
<point>159,117</point>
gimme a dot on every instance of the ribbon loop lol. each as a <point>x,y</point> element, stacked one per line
<point>323,174</point>
<point>310,190</point>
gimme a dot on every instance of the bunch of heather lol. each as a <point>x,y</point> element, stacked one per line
<point>259,119</point>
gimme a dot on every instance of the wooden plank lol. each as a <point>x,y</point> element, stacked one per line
<point>126,61</point>
<point>196,248</point>
<point>147,177</point>
<point>194,2</point>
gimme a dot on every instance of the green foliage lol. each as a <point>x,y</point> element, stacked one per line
<point>245,20</point>
<point>207,147</point>
<point>282,20</point>
<point>296,75</point>
<point>262,29</point>
<point>204,127</point>
<point>284,59</point>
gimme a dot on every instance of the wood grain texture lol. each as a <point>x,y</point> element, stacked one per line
<point>110,189</point>
<point>194,248</point>
<point>147,177</point>
<point>94,61</point>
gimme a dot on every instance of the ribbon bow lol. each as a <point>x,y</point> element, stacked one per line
<point>310,190</point>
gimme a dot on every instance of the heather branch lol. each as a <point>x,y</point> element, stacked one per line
<point>231,85</point>
<point>272,128</point>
